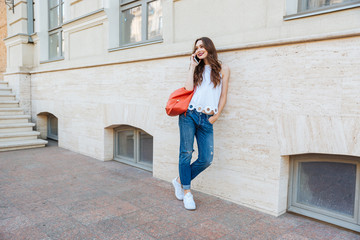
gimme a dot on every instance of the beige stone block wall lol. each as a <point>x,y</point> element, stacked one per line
<point>231,24</point>
<point>241,22</point>
<point>81,7</point>
<point>20,84</point>
<point>282,100</point>
<point>3,34</point>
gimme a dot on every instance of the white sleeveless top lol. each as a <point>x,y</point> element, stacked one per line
<point>206,97</point>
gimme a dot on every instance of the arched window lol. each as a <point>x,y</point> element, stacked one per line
<point>134,146</point>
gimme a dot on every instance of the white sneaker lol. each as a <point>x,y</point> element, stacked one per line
<point>189,203</point>
<point>179,191</point>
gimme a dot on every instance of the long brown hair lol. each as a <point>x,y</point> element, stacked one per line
<point>212,57</point>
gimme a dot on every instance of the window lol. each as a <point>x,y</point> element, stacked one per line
<point>304,8</point>
<point>140,21</point>
<point>134,147</point>
<point>52,127</point>
<point>326,187</point>
<point>56,37</point>
<point>306,5</point>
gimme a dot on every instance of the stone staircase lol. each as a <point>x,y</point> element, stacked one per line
<point>16,132</point>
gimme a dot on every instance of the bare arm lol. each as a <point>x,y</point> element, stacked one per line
<point>189,84</point>
<point>225,71</point>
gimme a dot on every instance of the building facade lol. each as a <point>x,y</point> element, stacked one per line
<point>3,34</point>
<point>96,75</point>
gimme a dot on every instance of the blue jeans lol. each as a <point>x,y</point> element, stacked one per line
<point>194,125</point>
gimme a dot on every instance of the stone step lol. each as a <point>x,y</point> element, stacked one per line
<point>11,111</point>
<point>16,127</point>
<point>7,96</point>
<point>3,84</point>
<point>9,104</point>
<point>16,145</point>
<point>18,136</point>
<point>5,90</point>
<point>14,118</point>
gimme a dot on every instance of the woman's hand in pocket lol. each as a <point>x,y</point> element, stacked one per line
<point>213,119</point>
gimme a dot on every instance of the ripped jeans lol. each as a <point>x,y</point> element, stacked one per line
<point>196,125</point>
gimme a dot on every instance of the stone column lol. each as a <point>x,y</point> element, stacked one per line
<point>20,54</point>
<point>3,34</point>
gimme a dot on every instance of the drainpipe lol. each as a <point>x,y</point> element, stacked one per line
<point>30,19</point>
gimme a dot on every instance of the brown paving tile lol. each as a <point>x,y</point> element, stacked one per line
<point>183,235</point>
<point>292,219</point>
<point>131,194</point>
<point>107,212</point>
<point>26,233</point>
<point>6,211</point>
<point>160,229</point>
<point>133,234</point>
<point>121,208</point>
<point>283,223</point>
<point>93,216</point>
<point>110,227</point>
<point>145,202</point>
<point>35,206</point>
<point>212,209</point>
<point>166,210</point>
<point>114,187</point>
<point>264,229</point>
<point>21,201</point>
<point>236,220</point>
<point>76,233</point>
<point>14,223</point>
<point>292,236</point>
<point>89,199</point>
<point>139,217</point>
<point>70,197</point>
<point>19,192</point>
<point>345,235</point>
<point>110,200</point>
<point>185,218</point>
<point>236,235</point>
<point>79,207</point>
<point>317,230</point>
<point>60,227</point>
<point>45,215</point>
<point>211,230</point>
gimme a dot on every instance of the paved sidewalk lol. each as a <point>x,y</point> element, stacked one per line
<point>53,193</point>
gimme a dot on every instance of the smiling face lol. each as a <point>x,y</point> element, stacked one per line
<point>200,50</point>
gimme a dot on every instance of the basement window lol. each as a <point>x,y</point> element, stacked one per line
<point>325,187</point>
<point>134,146</point>
<point>52,127</point>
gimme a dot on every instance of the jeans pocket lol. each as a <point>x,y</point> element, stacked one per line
<point>207,118</point>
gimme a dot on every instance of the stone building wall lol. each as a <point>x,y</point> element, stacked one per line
<point>293,87</point>
<point>283,100</point>
<point>3,34</point>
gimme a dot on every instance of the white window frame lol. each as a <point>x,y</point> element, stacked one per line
<point>293,9</point>
<point>128,4</point>
<point>136,160</point>
<point>352,223</point>
<point>56,30</point>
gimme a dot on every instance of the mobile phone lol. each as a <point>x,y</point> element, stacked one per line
<point>196,59</point>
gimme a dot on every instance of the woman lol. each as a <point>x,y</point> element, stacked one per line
<point>210,79</point>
